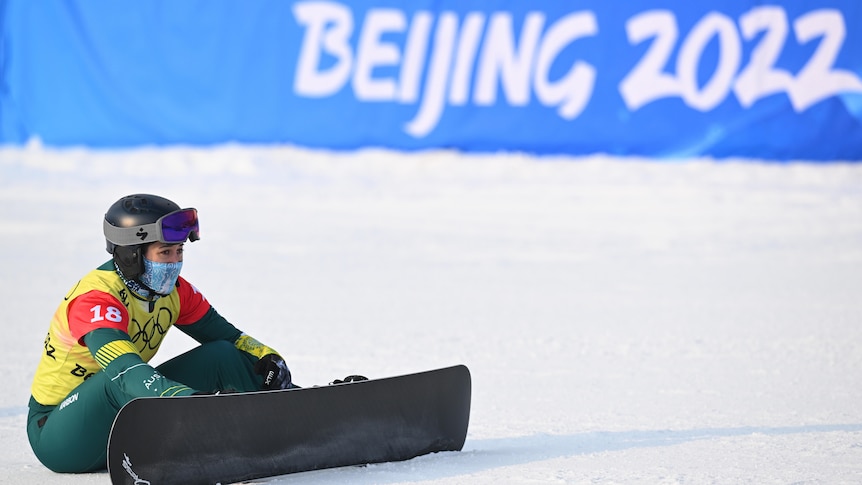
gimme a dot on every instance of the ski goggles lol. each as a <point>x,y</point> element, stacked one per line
<point>173,228</point>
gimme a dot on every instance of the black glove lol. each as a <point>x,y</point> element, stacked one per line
<point>275,373</point>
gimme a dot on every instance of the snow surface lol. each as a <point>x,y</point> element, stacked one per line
<point>625,321</point>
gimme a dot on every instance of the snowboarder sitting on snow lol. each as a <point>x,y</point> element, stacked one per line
<point>112,322</point>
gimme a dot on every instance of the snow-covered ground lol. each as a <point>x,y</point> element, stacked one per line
<point>625,321</point>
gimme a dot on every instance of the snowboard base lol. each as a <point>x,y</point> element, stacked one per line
<point>235,437</point>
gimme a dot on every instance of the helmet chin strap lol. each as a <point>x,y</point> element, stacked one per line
<point>129,260</point>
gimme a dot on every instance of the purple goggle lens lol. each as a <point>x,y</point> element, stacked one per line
<point>179,225</point>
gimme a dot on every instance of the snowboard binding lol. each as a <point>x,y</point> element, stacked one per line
<point>350,378</point>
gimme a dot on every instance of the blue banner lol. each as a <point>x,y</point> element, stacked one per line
<point>654,78</point>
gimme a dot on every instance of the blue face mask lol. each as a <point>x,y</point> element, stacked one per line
<point>161,277</point>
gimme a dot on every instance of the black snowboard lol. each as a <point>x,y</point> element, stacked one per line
<point>235,437</point>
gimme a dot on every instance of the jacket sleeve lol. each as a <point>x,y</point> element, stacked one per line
<point>213,327</point>
<point>200,320</point>
<point>121,362</point>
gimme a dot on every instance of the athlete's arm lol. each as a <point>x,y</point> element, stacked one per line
<point>209,325</point>
<point>199,320</point>
<point>122,363</point>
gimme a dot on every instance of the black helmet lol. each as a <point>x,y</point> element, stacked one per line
<point>134,221</point>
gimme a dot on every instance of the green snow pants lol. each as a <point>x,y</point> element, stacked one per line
<point>74,439</point>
